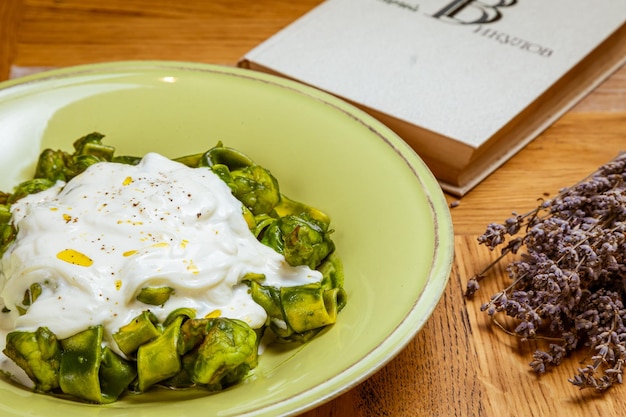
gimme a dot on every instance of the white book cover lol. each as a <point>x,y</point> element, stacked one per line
<point>458,69</point>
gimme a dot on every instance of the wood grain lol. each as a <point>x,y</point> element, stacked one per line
<point>71,32</point>
<point>10,17</point>
<point>458,364</point>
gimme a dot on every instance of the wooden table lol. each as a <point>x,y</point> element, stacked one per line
<point>458,365</point>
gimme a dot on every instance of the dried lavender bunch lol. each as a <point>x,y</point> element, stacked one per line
<point>568,284</point>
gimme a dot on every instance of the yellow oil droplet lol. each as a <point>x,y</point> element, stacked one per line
<point>213,314</point>
<point>132,223</point>
<point>184,243</point>
<point>127,181</point>
<point>54,208</point>
<point>67,217</point>
<point>161,245</point>
<point>192,268</point>
<point>129,253</point>
<point>118,284</point>
<point>74,257</point>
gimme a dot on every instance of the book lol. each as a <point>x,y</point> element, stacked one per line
<point>465,83</point>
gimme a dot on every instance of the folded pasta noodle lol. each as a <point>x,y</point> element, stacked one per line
<point>180,267</point>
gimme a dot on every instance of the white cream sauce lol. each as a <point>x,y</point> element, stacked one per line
<point>96,241</point>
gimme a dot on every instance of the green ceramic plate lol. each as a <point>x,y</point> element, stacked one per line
<point>393,227</point>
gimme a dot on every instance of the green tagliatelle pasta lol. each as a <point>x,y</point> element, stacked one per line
<point>212,351</point>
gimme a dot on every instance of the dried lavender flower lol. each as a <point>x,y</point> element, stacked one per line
<point>568,284</point>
